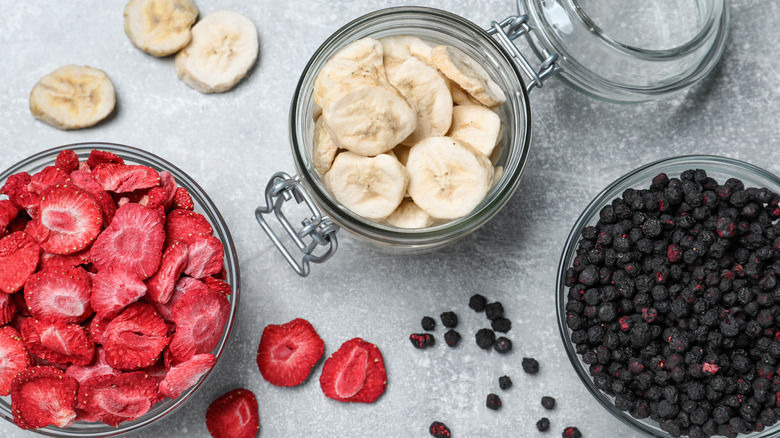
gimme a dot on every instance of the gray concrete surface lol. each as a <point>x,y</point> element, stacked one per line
<point>231,143</point>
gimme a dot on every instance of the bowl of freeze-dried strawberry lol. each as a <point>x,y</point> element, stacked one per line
<point>118,289</point>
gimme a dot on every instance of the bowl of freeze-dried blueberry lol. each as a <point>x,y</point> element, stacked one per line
<point>668,300</point>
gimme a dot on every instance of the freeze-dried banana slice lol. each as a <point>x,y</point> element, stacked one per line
<point>361,57</point>
<point>160,27</point>
<point>477,125</point>
<point>469,74</point>
<point>73,97</point>
<point>410,215</point>
<point>397,49</point>
<point>324,148</point>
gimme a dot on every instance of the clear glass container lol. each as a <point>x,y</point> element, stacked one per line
<point>205,206</point>
<point>721,169</point>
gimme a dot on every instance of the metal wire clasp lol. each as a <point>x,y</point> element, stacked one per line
<point>512,28</point>
<point>322,231</point>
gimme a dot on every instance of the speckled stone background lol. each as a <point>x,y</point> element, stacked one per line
<point>232,142</point>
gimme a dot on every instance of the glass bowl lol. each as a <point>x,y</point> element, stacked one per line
<point>203,205</point>
<point>720,168</point>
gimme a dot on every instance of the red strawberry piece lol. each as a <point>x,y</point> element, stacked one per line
<point>98,157</point>
<point>20,223</point>
<point>84,180</point>
<point>168,360</point>
<point>121,178</point>
<point>49,176</point>
<point>17,187</point>
<point>115,399</point>
<point>113,289</point>
<point>17,322</point>
<point>97,329</point>
<point>68,220</point>
<point>288,352</point>
<point>8,212</point>
<point>184,285</point>
<point>205,254</point>
<point>133,241</point>
<point>186,374</point>
<point>217,285</point>
<point>181,224</point>
<point>174,260</point>
<point>183,200</point>
<point>98,367</point>
<point>155,198</point>
<point>233,415</point>
<point>67,160</point>
<point>19,255</point>
<point>49,260</point>
<point>168,183</point>
<point>354,373</point>
<point>57,342</point>
<point>21,304</point>
<point>59,294</point>
<point>200,320</point>
<point>82,415</point>
<point>43,396</point>
<point>13,358</point>
<point>135,338</point>
<point>7,308</point>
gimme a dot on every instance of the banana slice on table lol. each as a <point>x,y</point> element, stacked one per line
<point>324,148</point>
<point>476,125</point>
<point>367,116</point>
<point>223,48</point>
<point>469,74</point>
<point>160,27</point>
<point>73,97</point>
<point>410,215</point>
<point>447,178</point>
<point>397,49</point>
<point>363,56</point>
<point>372,187</point>
<point>428,92</point>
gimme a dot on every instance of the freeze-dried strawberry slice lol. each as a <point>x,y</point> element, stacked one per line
<point>57,342</point>
<point>121,178</point>
<point>67,160</point>
<point>354,373</point>
<point>200,320</point>
<point>84,180</point>
<point>8,212</point>
<point>21,304</point>
<point>217,285</point>
<point>98,157</point>
<point>205,254</point>
<point>288,352</point>
<point>19,255</point>
<point>97,329</point>
<point>183,200</point>
<point>233,415</point>
<point>183,223</point>
<point>59,294</point>
<point>49,260</point>
<point>174,260</point>
<point>113,289</point>
<point>17,187</point>
<point>43,396</point>
<point>13,358</point>
<point>68,220</point>
<point>135,338</point>
<point>114,399</point>
<point>168,183</point>
<point>7,308</point>
<point>133,241</point>
<point>155,198</point>
<point>49,176</point>
<point>182,376</point>
<point>183,286</point>
<point>98,367</point>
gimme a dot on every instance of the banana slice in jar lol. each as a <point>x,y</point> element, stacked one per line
<point>363,57</point>
<point>447,177</point>
<point>410,215</point>
<point>366,116</point>
<point>160,27</point>
<point>477,125</point>
<point>73,97</point>
<point>468,74</point>
<point>224,47</point>
<point>397,49</point>
<point>372,187</point>
<point>324,148</point>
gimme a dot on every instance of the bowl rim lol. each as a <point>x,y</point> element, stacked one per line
<point>230,260</point>
<point>561,291</point>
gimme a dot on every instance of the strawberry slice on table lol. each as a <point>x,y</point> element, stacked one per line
<point>205,255</point>
<point>122,178</point>
<point>135,338</point>
<point>113,289</point>
<point>174,260</point>
<point>43,396</point>
<point>133,241</point>
<point>57,342</point>
<point>7,308</point>
<point>184,285</point>
<point>13,358</point>
<point>200,320</point>
<point>98,367</point>
<point>181,224</point>
<point>19,254</point>
<point>68,220</point>
<point>98,157</point>
<point>67,160</point>
<point>288,352</point>
<point>233,415</point>
<point>115,399</point>
<point>183,200</point>
<point>186,374</point>
<point>354,373</point>
<point>59,295</point>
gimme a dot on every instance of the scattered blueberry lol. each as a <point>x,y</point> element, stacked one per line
<point>548,402</point>
<point>428,323</point>
<point>502,325</point>
<point>422,340</point>
<point>485,338</point>
<point>440,430</point>
<point>493,402</point>
<point>543,425</point>
<point>502,345</point>
<point>571,432</point>
<point>449,319</point>
<point>530,365</point>
<point>452,337</point>
<point>494,311</point>
<point>504,382</point>
<point>477,302</point>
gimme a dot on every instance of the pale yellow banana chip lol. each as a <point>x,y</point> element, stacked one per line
<point>160,27</point>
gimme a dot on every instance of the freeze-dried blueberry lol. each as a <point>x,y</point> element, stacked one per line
<point>452,337</point>
<point>449,319</point>
<point>504,382</point>
<point>493,402</point>
<point>571,432</point>
<point>494,310</point>
<point>530,365</point>
<point>428,323</point>
<point>502,345</point>
<point>422,340</point>
<point>501,325</point>
<point>543,425</point>
<point>477,302</point>
<point>440,430</point>
<point>548,402</point>
<point>485,338</point>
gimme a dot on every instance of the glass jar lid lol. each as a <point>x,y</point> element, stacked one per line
<point>629,50</point>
